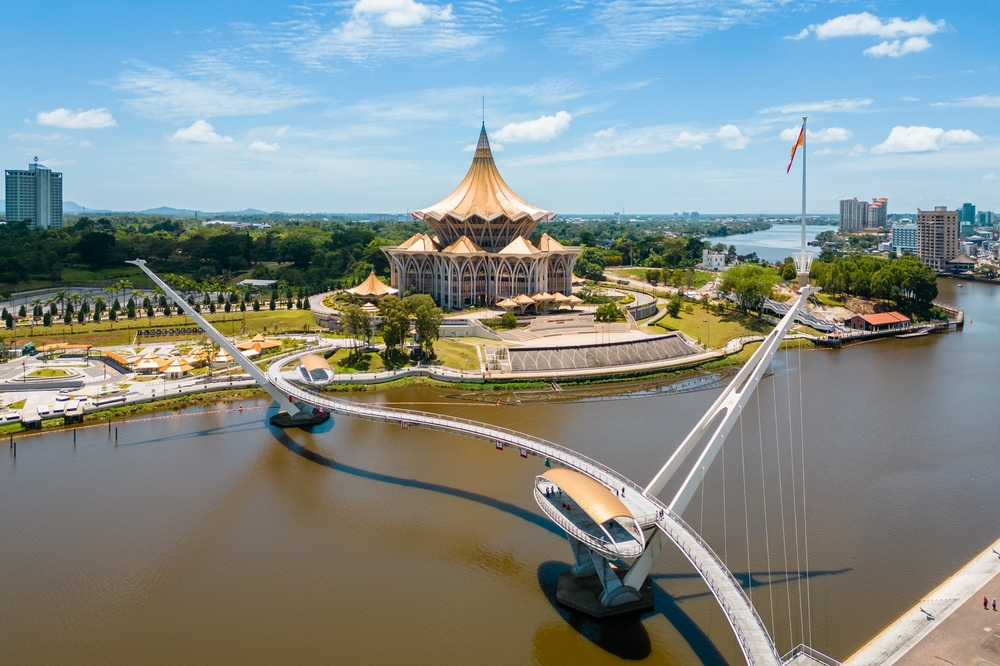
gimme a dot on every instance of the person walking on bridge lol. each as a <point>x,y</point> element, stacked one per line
<point>994,603</point>
<point>986,603</point>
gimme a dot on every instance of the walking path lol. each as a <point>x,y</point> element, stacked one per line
<point>948,626</point>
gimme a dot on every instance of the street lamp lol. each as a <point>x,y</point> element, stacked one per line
<point>708,342</point>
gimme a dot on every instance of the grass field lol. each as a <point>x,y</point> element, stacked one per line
<point>48,372</point>
<point>700,277</point>
<point>699,324</point>
<point>457,355</point>
<point>123,331</point>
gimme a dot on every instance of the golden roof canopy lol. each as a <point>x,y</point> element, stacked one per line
<point>483,194</point>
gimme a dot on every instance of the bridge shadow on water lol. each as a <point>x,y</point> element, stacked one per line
<point>624,636</point>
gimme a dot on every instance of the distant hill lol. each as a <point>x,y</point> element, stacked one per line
<point>74,208</point>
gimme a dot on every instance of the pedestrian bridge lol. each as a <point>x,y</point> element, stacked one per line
<point>662,521</point>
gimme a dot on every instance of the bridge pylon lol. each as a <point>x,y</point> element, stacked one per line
<point>292,413</point>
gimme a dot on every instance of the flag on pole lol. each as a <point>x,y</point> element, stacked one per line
<point>801,141</point>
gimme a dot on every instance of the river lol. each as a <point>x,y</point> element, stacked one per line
<point>213,538</point>
<point>774,244</point>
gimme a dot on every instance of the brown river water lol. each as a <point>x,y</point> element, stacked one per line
<point>213,538</point>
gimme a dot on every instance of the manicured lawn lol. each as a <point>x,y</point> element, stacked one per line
<point>456,355</point>
<point>826,299</point>
<point>48,372</point>
<point>701,278</point>
<point>724,327</point>
<point>123,331</point>
<point>344,361</point>
<point>17,405</point>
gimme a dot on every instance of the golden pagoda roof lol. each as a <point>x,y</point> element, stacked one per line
<point>464,246</point>
<point>519,245</point>
<point>523,299</point>
<point>549,244</point>
<point>419,243</point>
<point>372,287</point>
<point>483,192</point>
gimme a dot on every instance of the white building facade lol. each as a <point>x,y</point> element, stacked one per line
<point>713,261</point>
<point>34,195</point>
<point>480,253</point>
<point>904,238</point>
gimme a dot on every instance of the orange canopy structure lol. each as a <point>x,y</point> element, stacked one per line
<point>372,287</point>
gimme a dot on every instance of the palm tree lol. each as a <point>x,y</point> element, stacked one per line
<point>61,299</point>
<point>123,286</point>
<point>35,304</point>
<point>75,300</point>
<point>111,290</point>
<point>99,304</point>
<point>136,297</point>
<point>226,276</point>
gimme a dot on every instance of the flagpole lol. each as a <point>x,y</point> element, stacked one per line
<point>804,133</point>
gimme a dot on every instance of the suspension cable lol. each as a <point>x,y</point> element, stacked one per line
<point>763,491</point>
<point>795,502</point>
<point>805,523</point>
<point>725,524</point>
<point>746,510</point>
<point>781,500</point>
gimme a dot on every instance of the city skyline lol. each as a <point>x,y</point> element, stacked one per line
<point>591,108</point>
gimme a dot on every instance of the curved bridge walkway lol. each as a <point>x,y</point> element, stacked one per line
<point>754,641</point>
<point>747,625</point>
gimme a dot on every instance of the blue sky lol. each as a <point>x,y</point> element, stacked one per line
<point>373,105</point>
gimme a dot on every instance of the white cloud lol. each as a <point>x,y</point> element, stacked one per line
<point>990,176</point>
<point>923,139</point>
<point>894,49</point>
<point>605,133</point>
<point>378,29</point>
<point>732,138</point>
<point>399,13</point>
<point>263,147</point>
<point>66,119</point>
<point>910,98</point>
<point>858,149</point>
<point>865,24</point>
<point>200,132</point>
<point>826,135</point>
<point>868,25</point>
<point>801,34</point>
<point>976,102</point>
<point>832,105</point>
<point>545,128</point>
<point>20,136</point>
<point>281,131</point>
<point>86,144</point>
<point>209,88</point>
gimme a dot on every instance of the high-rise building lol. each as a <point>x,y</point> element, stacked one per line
<point>904,238</point>
<point>984,218</point>
<point>853,214</point>
<point>877,213</point>
<point>34,195</point>
<point>966,218</point>
<point>937,236</point>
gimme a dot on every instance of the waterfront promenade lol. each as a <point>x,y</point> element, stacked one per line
<point>948,625</point>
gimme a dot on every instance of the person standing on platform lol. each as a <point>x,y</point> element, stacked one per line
<point>994,603</point>
<point>986,603</point>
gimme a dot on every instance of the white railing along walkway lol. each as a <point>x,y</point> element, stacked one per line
<point>754,641</point>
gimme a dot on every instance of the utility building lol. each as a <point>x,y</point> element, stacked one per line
<point>35,196</point>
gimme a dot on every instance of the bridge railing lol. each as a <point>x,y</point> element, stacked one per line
<point>815,655</point>
<point>716,592</point>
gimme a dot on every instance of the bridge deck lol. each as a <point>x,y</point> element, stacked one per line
<point>753,638</point>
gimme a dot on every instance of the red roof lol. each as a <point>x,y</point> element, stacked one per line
<point>886,318</point>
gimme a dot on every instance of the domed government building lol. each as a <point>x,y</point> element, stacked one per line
<point>480,253</point>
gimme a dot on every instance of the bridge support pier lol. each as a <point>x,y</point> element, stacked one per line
<point>305,416</point>
<point>592,586</point>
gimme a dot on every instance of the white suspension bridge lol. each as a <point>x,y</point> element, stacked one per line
<point>624,519</point>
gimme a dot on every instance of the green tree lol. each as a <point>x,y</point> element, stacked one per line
<point>428,319</point>
<point>674,305</point>
<point>508,320</point>
<point>395,322</point>
<point>357,323</point>
<point>788,272</point>
<point>751,284</point>
<point>47,319</point>
<point>609,312</point>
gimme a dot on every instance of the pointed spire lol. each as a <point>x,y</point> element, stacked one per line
<point>483,147</point>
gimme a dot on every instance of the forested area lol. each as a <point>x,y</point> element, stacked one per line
<point>906,282</point>
<point>313,254</point>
